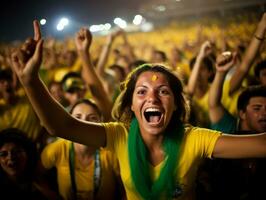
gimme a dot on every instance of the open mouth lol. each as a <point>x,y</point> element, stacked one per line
<point>153,115</point>
<point>12,165</point>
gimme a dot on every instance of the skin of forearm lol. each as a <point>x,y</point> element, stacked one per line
<point>216,89</point>
<point>194,76</point>
<point>90,76</point>
<point>230,146</point>
<point>46,108</point>
<point>248,59</point>
<point>103,58</point>
<point>95,85</point>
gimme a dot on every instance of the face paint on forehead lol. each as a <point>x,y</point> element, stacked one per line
<point>154,77</point>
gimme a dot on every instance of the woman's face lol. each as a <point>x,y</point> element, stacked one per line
<point>86,112</point>
<point>13,159</point>
<point>153,102</point>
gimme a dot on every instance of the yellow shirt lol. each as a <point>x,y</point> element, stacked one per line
<point>230,102</point>
<point>21,116</point>
<point>202,110</point>
<point>198,143</point>
<point>56,155</point>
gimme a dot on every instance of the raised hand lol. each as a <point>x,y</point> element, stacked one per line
<point>205,49</point>
<point>83,39</point>
<point>225,61</point>
<point>27,59</point>
<point>111,37</point>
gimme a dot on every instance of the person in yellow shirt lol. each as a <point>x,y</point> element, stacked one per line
<point>83,172</point>
<point>199,82</point>
<point>16,110</point>
<point>163,155</point>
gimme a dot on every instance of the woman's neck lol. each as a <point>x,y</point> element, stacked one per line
<point>84,154</point>
<point>154,146</point>
<point>84,150</point>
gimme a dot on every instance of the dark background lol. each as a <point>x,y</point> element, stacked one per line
<point>16,16</point>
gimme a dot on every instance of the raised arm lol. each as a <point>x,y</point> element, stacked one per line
<point>249,56</point>
<point>223,64</point>
<point>240,146</point>
<point>83,41</point>
<point>105,53</point>
<point>26,62</point>
<point>205,50</point>
<point>128,47</point>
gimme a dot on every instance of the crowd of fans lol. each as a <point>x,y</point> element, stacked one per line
<point>222,69</point>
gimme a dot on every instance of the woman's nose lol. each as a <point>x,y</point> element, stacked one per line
<point>152,96</point>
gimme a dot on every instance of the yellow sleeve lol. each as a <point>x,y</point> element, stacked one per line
<point>116,136</point>
<point>54,152</point>
<point>202,141</point>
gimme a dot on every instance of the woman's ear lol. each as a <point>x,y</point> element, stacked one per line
<point>131,108</point>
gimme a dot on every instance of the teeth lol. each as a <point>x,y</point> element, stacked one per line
<point>152,110</point>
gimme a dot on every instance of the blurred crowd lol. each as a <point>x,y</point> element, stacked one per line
<point>37,165</point>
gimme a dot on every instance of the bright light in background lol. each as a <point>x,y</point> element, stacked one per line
<point>137,20</point>
<point>108,26</point>
<point>62,23</point>
<point>60,27</point>
<point>43,21</point>
<point>161,8</point>
<point>120,22</point>
<point>146,27</point>
<point>100,27</point>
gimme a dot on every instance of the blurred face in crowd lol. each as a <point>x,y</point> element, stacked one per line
<point>6,86</point>
<point>73,95</point>
<point>262,77</point>
<point>69,57</point>
<point>57,91</point>
<point>13,159</point>
<point>86,112</point>
<point>176,55</point>
<point>254,117</point>
<point>158,57</point>
<point>123,61</point>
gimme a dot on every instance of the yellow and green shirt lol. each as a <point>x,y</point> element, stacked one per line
<point>56,155</point>
<point>197,144</point>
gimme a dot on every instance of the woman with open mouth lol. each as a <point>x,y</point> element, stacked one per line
<point>158,155</point>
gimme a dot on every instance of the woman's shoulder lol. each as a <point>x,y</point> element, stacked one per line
<point>189,129</point>
<point>58,146</point>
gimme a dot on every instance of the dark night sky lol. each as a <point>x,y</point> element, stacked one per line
<point>16,16</point>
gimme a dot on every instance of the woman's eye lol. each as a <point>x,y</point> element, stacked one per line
<point>163,92</point>
<point>94,118</point>
<point>77,116</point>
<point>141,92</point>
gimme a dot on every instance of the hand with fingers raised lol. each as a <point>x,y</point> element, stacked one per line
<point>225,61</point>
<point>83,39</point>
<point>205,49</point>
<point>27,59</point>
